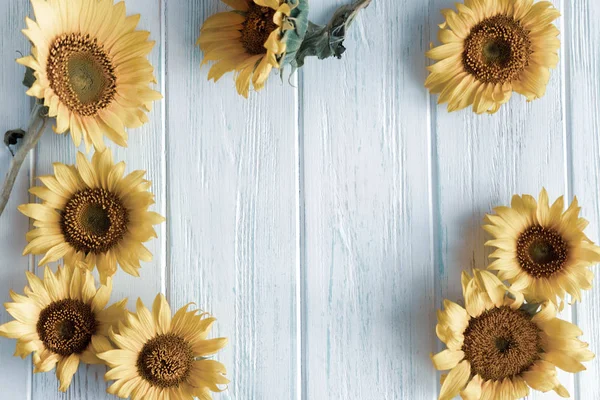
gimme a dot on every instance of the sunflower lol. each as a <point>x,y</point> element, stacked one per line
<point>91,69</point>
<point>491,48</point>
<point>498,348</point>
<point>159,358</point>
<point>540,250</point>
<point>252,39</point>
<point>63,320</point>
<point>93,216</point>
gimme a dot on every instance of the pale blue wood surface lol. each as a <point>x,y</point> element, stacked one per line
<point>323,223</point>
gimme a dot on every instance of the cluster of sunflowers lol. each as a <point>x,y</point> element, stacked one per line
<point>89,69</point>
<point>507,337</point>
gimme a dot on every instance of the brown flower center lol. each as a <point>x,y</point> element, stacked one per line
<point>497,50</point>
<point>165,361</point>
<point>501,343</point>
<point>66,326</point>
<point>94,221</point>
<point>81,73</point>
<point>257,27</point>
<point>541,251</point>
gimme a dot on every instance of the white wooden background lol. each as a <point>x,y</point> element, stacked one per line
<point>323,223</point>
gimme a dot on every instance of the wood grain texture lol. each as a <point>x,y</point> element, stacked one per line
<point>582,65</point>
<point>15,374</point>
<point>323,223</point>
<point>233,210</point>
<point>368,273</point>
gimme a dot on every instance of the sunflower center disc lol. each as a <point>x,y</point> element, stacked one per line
<point>165,361</point>
<point>94,221</point>
<point>497,50</point>
<point>256,28</point>
<point>541,252</point>
<point>501,343</point>
<point>66,326</point>
<point>81,74</point>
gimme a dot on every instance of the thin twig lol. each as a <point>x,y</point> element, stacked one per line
<point>38,117</point>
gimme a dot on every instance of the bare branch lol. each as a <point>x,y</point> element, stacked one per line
<point>37,125</point>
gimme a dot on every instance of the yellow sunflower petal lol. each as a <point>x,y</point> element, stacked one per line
<point>473,389</point>
<point>221,20</point>
<point>564,361</point>
<point>447,359</point>
<point>456,381</point>
<point>540,379</point>
<point>274,4</point>
<point>162,314</point>
<point>65,370</point>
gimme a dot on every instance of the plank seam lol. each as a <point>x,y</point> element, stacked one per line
<point>164,231</point>
<point>31,257</point>
<point>434,207</point>
<point>567,138</point>
<point>301,270</point>
<point>434,213</point>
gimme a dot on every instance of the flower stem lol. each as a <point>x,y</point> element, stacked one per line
<point>37,125</point>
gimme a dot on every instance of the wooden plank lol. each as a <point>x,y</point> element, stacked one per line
<point>582,62</point>
<point>15,378</point>
<point>232,209</point>
<point>369,276</point>
<point>481,162</point>
<point>146,152</point>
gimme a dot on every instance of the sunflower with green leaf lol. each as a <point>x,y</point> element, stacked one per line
<point>258,36</point>
<point>251,40</point>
